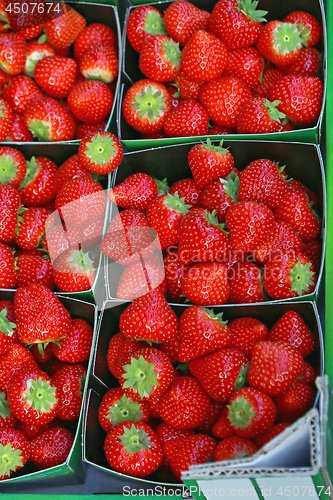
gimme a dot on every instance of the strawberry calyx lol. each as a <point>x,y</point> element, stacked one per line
<point>273,111</point>
<point>242,377</point>
<point>20,211</point>
<point>1,108</point>
<point>301,277</point>
<point>287,37</point>
<point>32,169</point>
<point>172,52</point>
<point>5,410</point>
<point>140,376</point>
<point>231,185</point>
<point>124,410</point>
<point>42,38</point>
<point>10,460</point>
<point>80,262</point>
<point>304,34</point>
<point>8,169</point>
<point>7,327</point>
<point>154,24</point>
<point>40,130</point>
<point>217,317</point>
<point>184,368</point>
<point>217,149</point>
<point>40,394</point>
<point>212,219</point>
<point>240,413</point>
<point>150,103</point>
<point>175,203</point>
<point>249,9</point>
<point>100,149</point>
<point>135,439</point>
<point>162,185</point>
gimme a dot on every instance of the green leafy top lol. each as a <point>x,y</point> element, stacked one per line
<point>135,439</point>
<point>5,410</point>
<point>240,413</point>
<point>32,169</point>
<point>176,203</point>
<point>149,103</point>
<point>140,376</point>
<point>302,278</point>
<point>249,8</point>
<point>274,113</point>
<point>217,149</point>
<point>154,24</point>
<point>8,168</point>
<point>287,37</point>
<point>41,395</point>
<point>7,327</point>
<point>10,460</point>
<point>124,410</point>
<point>101,149</point>
<point>231,185</point>
<point>172,52</point>
<point>218,317</point>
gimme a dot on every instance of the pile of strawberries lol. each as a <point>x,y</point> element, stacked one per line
<point>43,359</point>
<point>57,77</point>
<point>226,236</point>
<point>207,389</point>
<point>228,71</point>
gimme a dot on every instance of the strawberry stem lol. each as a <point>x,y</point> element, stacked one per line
<point>100,149</point>
<point>7,327</point>
<point>10,460</point>
<point>240,413</point>
<point>41,394</point>
<point>249,8</point>
<point>135,439</point>
<point>5,410</point>
<point>149,103</point>
<point>124,410</point>
<point>301,278</point>
<point>178,204</point>
<point>140,376</point>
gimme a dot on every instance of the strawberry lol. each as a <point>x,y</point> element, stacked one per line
<point>37,187</point>
<point>187,189</point>
<point>313,250</point>
<point>222,427</point>
<point>295,402</point>
<point>182,19</point>
<point>59,238</point>
<point>35,52</point>
<point>94,35</point>
<point>236,22</point>
<point>8,335</point>
<point>208,424</point>
<point>143,22</point>
<point>135,192</point>
<point>30,431</point>
<point>184,404</point>
<point>188,119</point>
<point>7,419</point>
<point>186,88</point>
<point>12,53</point>
<point>145,106</point>
<point>274,431</point>
<point>251,412</point>
<point>246,64</point>
<point>90,101</point>
<point>6,119</point>
<point>72,167</point>
<point>274,367</point>
<point>21,92</point>
<point>288,274</point>
<point>234,448</point>
<point>221,373</point>
<point>219,194</point>
<point>258,115</point>
<point>32,397</point>
<point>100,152</point>
<point>307,90</point>
<point>119,347</point>
<point>171,348</point>
<point>9,205</point>
<point>7,263</point>
<point>201,332</point>
<point>69,381</point>
<point>116,407</point>
<point>86,128</point>
<point>296,184</point>
<point>12,361</point>
<point>307,64</point>
<point>35,324</point>
<point>307,24</point>
<point>34,269</point>
<point>192,450</point>
<point>31,227</point>
<point>13,166</point>
<point>245,283</point>
<point>222,98</point>
<point>291,328</point>
<point>56,75</point>
<point>165,432</point>
<point>160,58</point>
<point>75,346</point>
<point>209,162</point>
<point>206,283</point>
<point>149,318</point>
<point>215,129</point>
<point>63,29</point>
<point>269,77</point>
<point>14,451</point>
<point>73,271</point>
<point>280,42</point>
<point>19,131</point>
<point>309,373</point>
<point>48,121</point>
<point>140,278</point>
<point>282,237</point>
<point>245,333</point>
<point>174,273</point>
<point>43,359</point>
<point>50,448</point>
<point>100,63</point>
<point>207,49</point>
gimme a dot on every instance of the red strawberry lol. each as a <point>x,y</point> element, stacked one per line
<point>119,347</point>
<point>12,52</point>
<point>186,188</point>
<point>94,35</point>
<point>13,166</point>
<point>37,187</point>
<point>72,167</point>
<point>62,30</point>
<point>174,273</point>
<point>307,64</point>
<point>149,318</point>
<point>69,381</point>
<point>258,115</point>
<point>7,263</point>
<point>245,283</point>
<point>274,367</point>
<point>221,373</point>
<point>206,283</point>
<point>51,448</point>
<point>140,278</point>
<point>100,63</point>
<point>246,64</point>
<point>209,162</point>
<point>295,402</point>
<point>222,427</point>
<point>307,90</point>
<point>307,24</point>
<point>280,42</point>
<point>187,88</point>
<point>59,238</point>
<point>117,407</point>
<point>251,412</point>
<point>245,333</point>
<point>166,432</point>
<point>160,58</point>
<point>48,121</point>
<point>86,128</point>
<point>73,271</point>
<point>90,101</point>
<point>216,129</point>
<point>14,451</point>
<point>269,77</point>
<point>136,191</point>
<point>274,431</point>
<point>201,332</point>
<point>234,448</point>
<point>208,424</point>
<point>34,269</point>
<point>6,119</point>
<point>12,361</point>
<point>100,152</point>
<point>133,448</point>
<point>75,346</point>
<point>35,324</point>
<point>56,75</point>
<point>19,131</point>
<point>219,194</point>
<point>143,22</point>
<point>222,98</point>
<point>8,335</point>
<point>44,358</point>
<point>313,250</point>
<point>35,52</point>
<point>31,227</point>
<point>282,237</point>
<point>309,373</point>
<point>291,328</point>
<point>184,404</point>
<point>296,184</point>
<point>182,19</point>
<point>21,92</point>
<point>145,106</point>
<point>171,348</point>
<point>7,419</point>
<point>191,450</point>
<point>236,22</point>
<point>9,205</point>
<point>188,119</point>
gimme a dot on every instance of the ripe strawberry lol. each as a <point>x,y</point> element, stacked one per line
<point>143,22</point>
<point>50,448</point>
<point>13,166</point>
<point>43,359</point>
<point>234,448</point>
<point>35,52</point>
<point>187,189</point>
<point>201,332</point>
<point>48,121</point>
<point>191,450</point>
<point>182,19</point>
<point>219,194</point>
<point>149,318</point>
<point>21,92</point>
<point>258,115</point>
<point>59,238</point>
<point>8,335</point>
<point>206,283</point>
<point>62,30</point>
<point>309,373</point>
<point>31,227</point>
<point>14,451</point>
<point>12,52</point>
<point>283,237</point>
<point>7,263</point>
<point>160,58</point>
<point>280,42</point>
<point>56,75</point>
<point>184,404</point>
<point>274,431</point>
<point>37,187</point>
<point>119,347</point>
<point>12,361</point>
<point>174,273</point>
<point>237,22</point>
<point>117,407</point>
<point>100,152</point>
<point>72,167</point>
<point>145,106</point>
<point>222,427</point>
<point>208,424</point>
<point>94,35</point>
<point>291,328</point>
<point>209,162</point>
<point>69,380</point>
<point>9,205</point>
<point>295,402</point>
<point>19,131</point>
<point>7,419</point>
<point>307,24</point>
<point>221,373</point>
<point>296,184</point>
<point>73,271</point>
<point>307,90</point>
<point>184,87</point>
<point>171,348</point>
<point>307,64</point>
<point>188,119</point>
<point>140,278</point>
<point>268,78</point>
<point>75,346</point>
<point>222,98</point>
<point>32,306</point>
<point>246,64</point>
<point>90,101</point>
<point>313,250</point>
<point>274,367</point>
<point>136,192</point>
<point>165,432</point>
<point>34,269</point>
<point>100,63</point>
<point>245,333</point>
<point>245,283</point>
<point>6,119</point>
